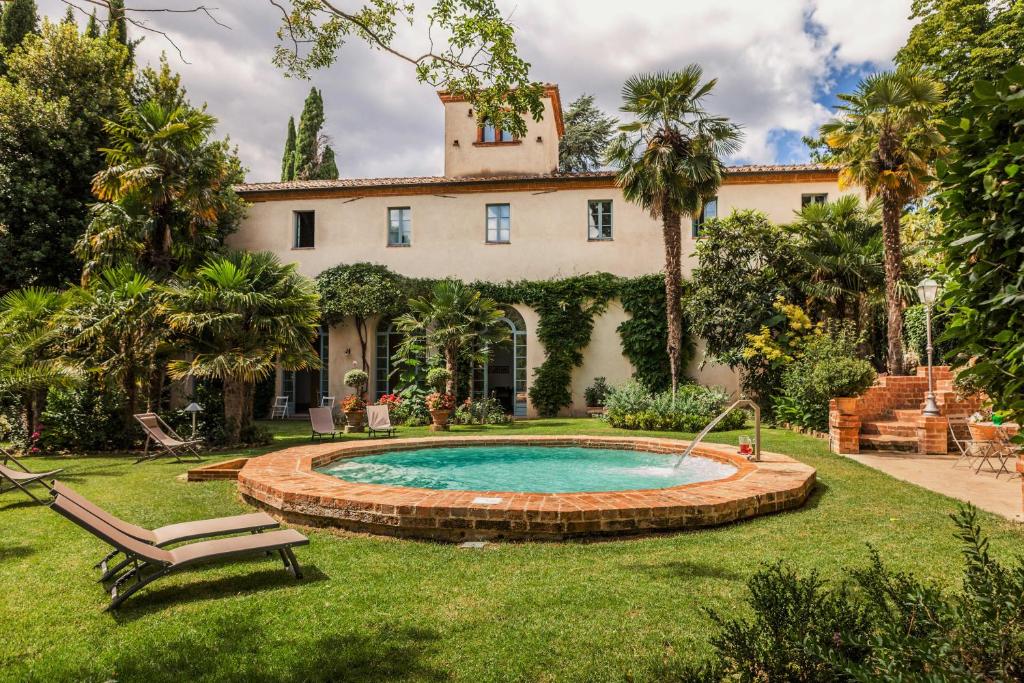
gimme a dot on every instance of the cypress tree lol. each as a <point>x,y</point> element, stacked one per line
<point>328,169</point>
<point>307,139</point>
<point>18,20</point>
<point>92,29</point>
<point>69,17</point>
<point>288,162</point>
<point>117,25</point>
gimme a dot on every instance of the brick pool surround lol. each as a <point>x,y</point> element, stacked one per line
<point>287,483</point>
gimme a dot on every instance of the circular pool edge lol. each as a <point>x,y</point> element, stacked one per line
<point>287,484</point>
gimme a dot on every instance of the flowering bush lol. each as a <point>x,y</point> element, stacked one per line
<point>353,404</point>
<point>411,410</point>
<point>485,411</point>
<point>439,401</point>
<point>389,400</point>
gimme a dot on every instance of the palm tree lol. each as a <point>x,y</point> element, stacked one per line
<point>116,328</point>
<point>28,366</point>
<point>669,161</point>
<point>840,246</point>
<point>164,182</point>
<point>241,314</point>
<point>885,139</point>
<point>455,318</point>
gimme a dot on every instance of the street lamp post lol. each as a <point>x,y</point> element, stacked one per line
<point>193,408</point>
<point>928,292</point>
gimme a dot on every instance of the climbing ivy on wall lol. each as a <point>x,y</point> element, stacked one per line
<point>567,308</point>
<point>645,335</point>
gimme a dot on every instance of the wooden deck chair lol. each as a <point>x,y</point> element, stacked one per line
<point>321,423</point>
<point>253,523</point>
<point>22,480</point>
<point>378,420</point>
<point>171,445</point>
<point>148,563</point>
<point>280,408</point>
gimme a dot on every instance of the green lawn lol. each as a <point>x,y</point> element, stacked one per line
<point>376,609</point>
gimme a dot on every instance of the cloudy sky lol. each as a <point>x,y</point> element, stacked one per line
<point>779,65</point>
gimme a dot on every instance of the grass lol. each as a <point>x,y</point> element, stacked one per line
<point>374,609</point>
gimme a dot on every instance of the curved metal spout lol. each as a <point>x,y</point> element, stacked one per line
<point>742,403</point>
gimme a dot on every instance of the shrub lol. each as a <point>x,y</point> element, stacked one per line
<point>597,393</point>
<point>827,369</point>
<point>392,401</point>
<point>437,378</point>
<point>880,625</point>
<point>210,422</point>
<point>353,403</point>
<point>84,419</point>
<point>357,379</point>
<point>484,411</point>
<point>629,399</point>
<point>412,410</point>
<point>631,406</point>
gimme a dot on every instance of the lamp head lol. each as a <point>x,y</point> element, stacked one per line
<point>193,408</point>
<point>928,291</point>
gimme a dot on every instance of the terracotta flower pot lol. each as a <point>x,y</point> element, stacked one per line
<point>983,431</point>
<point>354,419</point>
<point>846,406</point>
<point>440,418</point>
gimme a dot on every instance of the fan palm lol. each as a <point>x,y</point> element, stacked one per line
<point>163,182</point>
<point>669,161</point>
<point>840,246</point>
<point>115,327</point>
<point>241,314</point>
<point>455,318</point>
<point>27,335</point>
<point>885,140</point>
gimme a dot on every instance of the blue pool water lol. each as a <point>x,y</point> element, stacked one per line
<point>535,469</point>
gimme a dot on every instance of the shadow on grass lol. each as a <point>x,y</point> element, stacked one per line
<point>155,598</point>
<point>244,650</point>
<point>688,569</point>
<point>25,502</point>
<point>15,552</point>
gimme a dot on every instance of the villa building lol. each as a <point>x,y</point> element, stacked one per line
<point>501,211</point>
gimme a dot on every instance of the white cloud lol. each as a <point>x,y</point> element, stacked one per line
<point>383,122</point>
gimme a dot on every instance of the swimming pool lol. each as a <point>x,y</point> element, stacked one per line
<point>528,468</point>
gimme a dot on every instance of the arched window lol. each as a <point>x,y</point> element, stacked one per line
<point>504,376</point>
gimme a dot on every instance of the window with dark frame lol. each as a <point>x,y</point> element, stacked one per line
<point>305,229</point>
<point>816,198</point>
<point>709,212</point>
<point>488,134</point>
<point>599,220</point>
<point>499,224</point>
<point>400,226</point>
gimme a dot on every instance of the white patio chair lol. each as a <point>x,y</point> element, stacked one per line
<point>280,408</point>
<point>327,402</point>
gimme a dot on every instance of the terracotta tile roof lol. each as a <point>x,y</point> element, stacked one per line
<point>356,183</point>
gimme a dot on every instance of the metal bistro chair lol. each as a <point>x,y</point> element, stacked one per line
<point>969,449</point>
<point>1003,451</point>
<point>280,408</point>
<point>327,402</point>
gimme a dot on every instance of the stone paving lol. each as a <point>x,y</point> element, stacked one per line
<point>286,483</point>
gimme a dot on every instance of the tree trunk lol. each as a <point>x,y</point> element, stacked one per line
<point>671,220</point>
<point>891,210</point>
<point>361,331</point>
<point>234,409</point>
<point>451,353</point>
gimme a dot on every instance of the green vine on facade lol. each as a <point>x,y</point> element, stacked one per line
<point>567,309</point>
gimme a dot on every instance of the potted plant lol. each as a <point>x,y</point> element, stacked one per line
<point>440,403</point>
<point>596,395</point>
<point>981,426</point>
<point>354,406</point>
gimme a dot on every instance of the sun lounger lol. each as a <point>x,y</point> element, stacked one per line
<point>253,523</point>
<point>159,432</point>
<point>22,480</point>
<point>149,563</point>
<point>379,420</point>
<point>321,423</point>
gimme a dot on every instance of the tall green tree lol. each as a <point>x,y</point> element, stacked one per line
<point>670,162</point>
<point>19,19</point>
<point>959,42</point>
<point>328,167</point>
<point>886,140</point>
<point>117,23</point>
<point>69,17</point>
<point>92,28</point>
<point>288,161</point>
<point>59,88</point>
<point>165,193</point>
<point>981,184</point>
<point>456,320</point>
<point>309,137</point>
<point>588,130</point>
<point>240,314</point>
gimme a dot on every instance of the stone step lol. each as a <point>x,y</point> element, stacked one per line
<point>907,414</point>
<point>886,442</point>
<point>889,427</point>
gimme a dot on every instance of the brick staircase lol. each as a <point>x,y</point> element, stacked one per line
<point>887,417</point>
